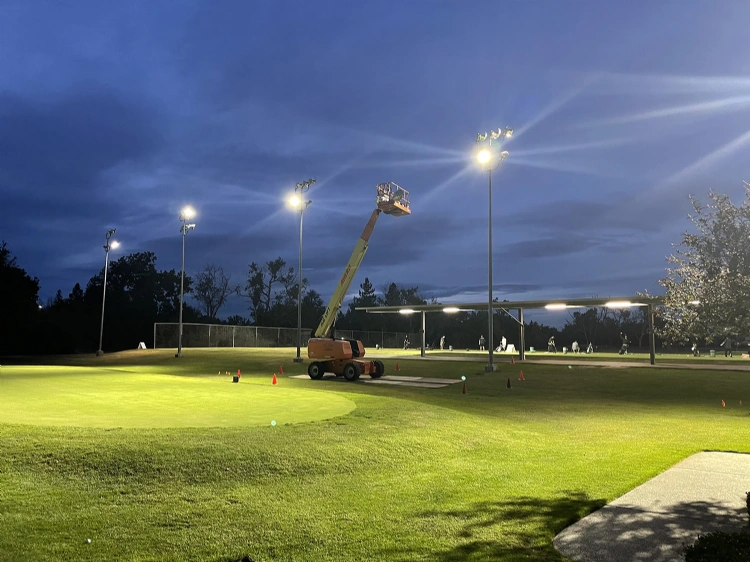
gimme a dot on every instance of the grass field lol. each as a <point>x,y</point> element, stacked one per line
<point>154,458</point>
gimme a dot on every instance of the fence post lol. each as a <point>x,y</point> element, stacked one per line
<point>256,336</point>
<point>233,328</point>
<point>154,335</point>
<point>209,335</point>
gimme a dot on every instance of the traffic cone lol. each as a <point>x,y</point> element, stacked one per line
<point>238,373</point>
<point>281,369</point>
<point>508,385</point>
<point>464,390</point>
<point>512,361</point>
<point>274,381</point>
<point>397,366</point>
<point>521,377</point>
<point>723,404</point>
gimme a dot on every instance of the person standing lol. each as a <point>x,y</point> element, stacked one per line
<point>406,342</point>
<point>503,343</point>
<point>481,343</point>
<point>727,345</point>
<point>551,347</point>
<point>442,342</point>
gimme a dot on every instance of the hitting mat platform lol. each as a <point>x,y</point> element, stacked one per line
<point>420,382</point>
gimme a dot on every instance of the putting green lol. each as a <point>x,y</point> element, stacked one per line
<point>88,397</point>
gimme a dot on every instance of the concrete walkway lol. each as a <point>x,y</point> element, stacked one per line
<point>655,521</point>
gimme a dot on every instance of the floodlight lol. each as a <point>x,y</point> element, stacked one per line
<point>406,311</point>
<point>618,304</point>
<point>481,137</point>
<point>494,135</point>
<point>114,244</point>
<point>190,226</point>
<point>508,132</point>
<point>110,232</point>
<point>188,212</point>
<point>484,156</point>
<point>294,200</point>
<point>555,306</point>
<point>451,309</point>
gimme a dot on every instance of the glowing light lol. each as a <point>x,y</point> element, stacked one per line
<point>407,311</point>
<point>451,309</point>
<point>114,244</point>
<point>294,201</point>
<point>694,302</point>
<point>188,212</point>
<point>484,156</point>
<point>618,304</point>
<point>555,306</point>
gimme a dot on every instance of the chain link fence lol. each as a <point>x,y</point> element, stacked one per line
<point>220,335</point>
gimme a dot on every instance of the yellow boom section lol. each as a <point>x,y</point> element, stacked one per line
<point>329,316</point>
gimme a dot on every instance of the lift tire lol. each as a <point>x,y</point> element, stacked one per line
<point>316,370</point>
<point>352,371</point>
<point>379,370</point>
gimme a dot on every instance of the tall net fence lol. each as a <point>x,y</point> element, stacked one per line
<point>166,334</point>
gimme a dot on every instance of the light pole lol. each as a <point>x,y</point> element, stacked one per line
<point>298,204</point>
<point>113,245</point>
<point>186,214</point>
<point>490,157</point>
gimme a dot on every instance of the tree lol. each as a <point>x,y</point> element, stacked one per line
<point>19,294</point>
<point>356,319</point>
<point>271,289</point>
<point>708,278</point>
<point>212,289</point>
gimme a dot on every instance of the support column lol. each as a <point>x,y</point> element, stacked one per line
<point>651,335</point>
<point>522,329</point>
<point>423,333</point>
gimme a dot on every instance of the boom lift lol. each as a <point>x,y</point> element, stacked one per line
<point>341,356</point>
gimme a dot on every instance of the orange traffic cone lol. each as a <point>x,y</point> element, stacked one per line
<point>512,361</point>
<point>521,377</point>
<point>723,404</point>
<point>397,367</point>
<point>274,381</point>
<point>238,373</point>
<point>464,390</point>
<point>508,385</point>
<point>281,369</point>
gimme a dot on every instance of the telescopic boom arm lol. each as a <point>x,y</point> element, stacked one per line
<point>329,317</point>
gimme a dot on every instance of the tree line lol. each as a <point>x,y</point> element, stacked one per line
<point>707,286</point>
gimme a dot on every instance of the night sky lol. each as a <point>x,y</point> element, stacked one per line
<point>116,114</point>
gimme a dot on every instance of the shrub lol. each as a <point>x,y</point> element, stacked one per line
<point>720,547</point>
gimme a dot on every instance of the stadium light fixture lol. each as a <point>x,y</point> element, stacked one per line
<point>298,204</point>
<point>114,244</point>
<point>490,159</point>
<point>555,306</point>
<point>186,214</point>
<point>618,304</point>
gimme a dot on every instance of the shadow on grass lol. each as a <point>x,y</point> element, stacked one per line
<point>534,522</point>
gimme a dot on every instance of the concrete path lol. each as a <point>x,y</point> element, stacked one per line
<point>655,521</point>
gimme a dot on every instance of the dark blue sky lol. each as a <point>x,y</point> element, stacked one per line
<point>116,114</point>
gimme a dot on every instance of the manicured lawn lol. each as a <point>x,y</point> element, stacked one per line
<point>155,458</point>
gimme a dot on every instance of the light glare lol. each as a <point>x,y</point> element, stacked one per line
<point>555,306</point>
<point>294,201</point>
<point>484,156</point>
<point>451,309</point>
<point>188,212</point>
<point>114,244</point>
<point>406,311</point>
<point>618,304</point>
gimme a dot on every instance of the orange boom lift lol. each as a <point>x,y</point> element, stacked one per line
<point>342,356</point>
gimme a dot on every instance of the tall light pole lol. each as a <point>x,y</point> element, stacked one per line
<point>186,214</point>
<point>298,204</point>
<point>109,245</point>
<point>490,157</point>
